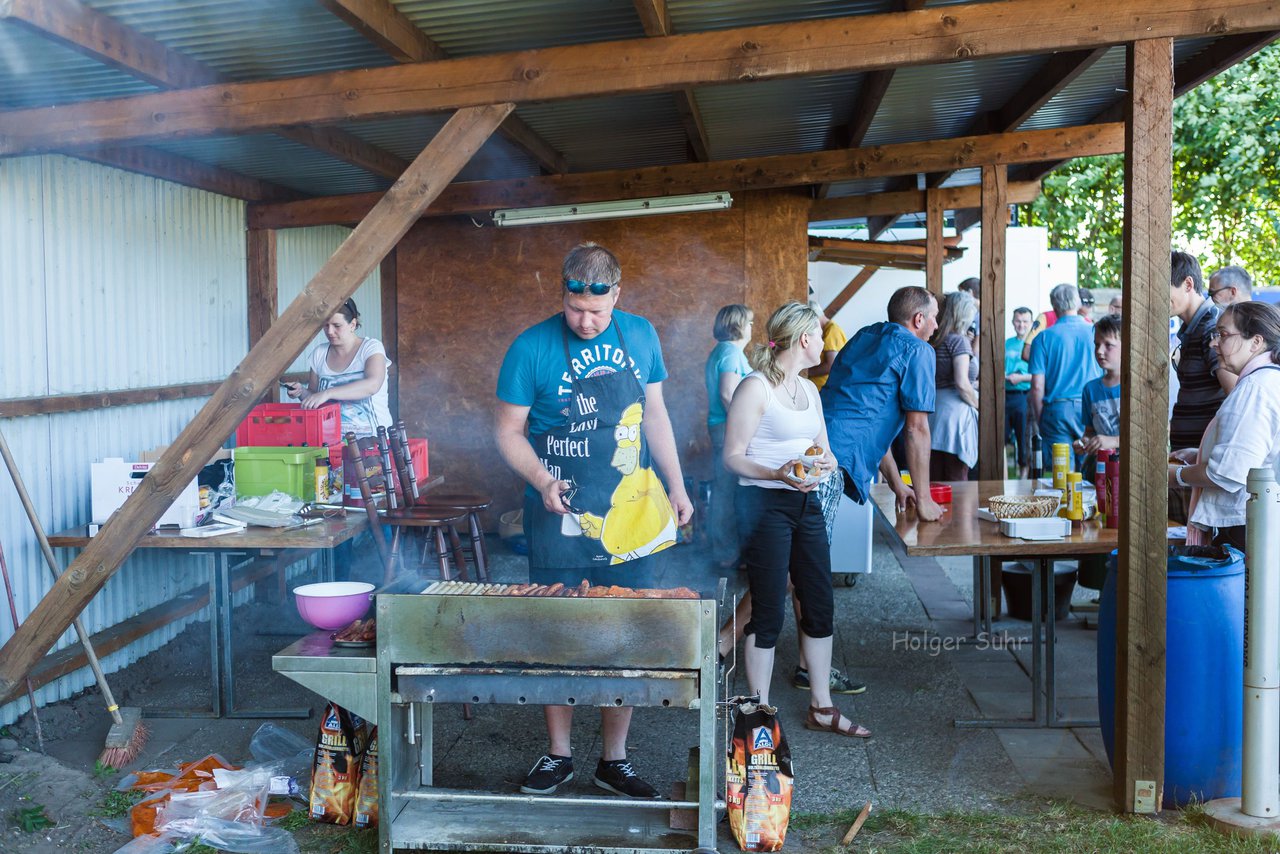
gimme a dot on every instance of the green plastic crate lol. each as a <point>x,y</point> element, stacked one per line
<point>260,471</point>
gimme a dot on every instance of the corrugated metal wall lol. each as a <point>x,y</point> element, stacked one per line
<point>110,280</point>
<point>300,253</point>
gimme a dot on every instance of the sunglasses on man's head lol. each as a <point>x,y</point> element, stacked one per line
<point>598,289</point>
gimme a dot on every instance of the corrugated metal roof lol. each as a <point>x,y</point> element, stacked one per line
<point>692,16</point>
<point>279,160</point>
<point>776,116</point>
<point>35,72</point>
<point>612,133</point>
<point>250,39</point>
<point>469,27</point>
<point>406,137</point>
<point>936,102</point>
<point>1098,88</point>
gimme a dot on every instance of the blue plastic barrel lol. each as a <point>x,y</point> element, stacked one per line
<point>1204,674</point>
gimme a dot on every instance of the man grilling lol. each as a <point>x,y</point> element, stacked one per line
<point>584,383</point>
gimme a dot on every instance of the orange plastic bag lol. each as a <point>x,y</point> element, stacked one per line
<point>192,777</point>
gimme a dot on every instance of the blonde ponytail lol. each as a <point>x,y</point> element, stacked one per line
<point>785,327</point>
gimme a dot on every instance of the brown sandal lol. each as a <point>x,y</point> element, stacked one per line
<point>854,730</point>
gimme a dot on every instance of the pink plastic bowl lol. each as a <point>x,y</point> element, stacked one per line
<point>333,604</point>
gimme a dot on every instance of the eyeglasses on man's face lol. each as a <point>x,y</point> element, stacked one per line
<point>596,289</point>
<point>1213,295</point>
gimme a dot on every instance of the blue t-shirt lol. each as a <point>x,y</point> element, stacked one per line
<point>1015,364</point>
<point>726,358</point>
<point>1100,407</point>
<point>880,375</point>
<point>534,372</point>
<point>1063,355</point>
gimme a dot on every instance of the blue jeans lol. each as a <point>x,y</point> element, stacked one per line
<point>1060,421</point>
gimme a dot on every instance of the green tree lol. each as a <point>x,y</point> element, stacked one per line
<point>1226,182</point>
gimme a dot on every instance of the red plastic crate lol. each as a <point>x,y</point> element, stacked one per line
<point>283,425</point>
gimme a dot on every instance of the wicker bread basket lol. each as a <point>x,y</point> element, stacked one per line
<point>1023,506</point>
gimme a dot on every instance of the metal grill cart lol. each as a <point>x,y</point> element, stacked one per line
<point>540,651</point>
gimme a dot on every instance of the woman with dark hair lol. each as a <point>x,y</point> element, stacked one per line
<point>953,425</point>
<point>725,368</point>
<point>774,419</point>
<point>351,371</point>
<point>1245,434</point>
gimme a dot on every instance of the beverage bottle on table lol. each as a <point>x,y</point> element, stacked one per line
<point>1102,497</point>
<point>1037,465</point>
<point>1061,465</point>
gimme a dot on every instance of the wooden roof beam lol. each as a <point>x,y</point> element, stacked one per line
<point>756,173</point>
<point>655,17</point>
<point>1213,60</point>
<point>912,201</point>
<point>770,51</point>
<point>337,279</point>
<point>103,38</point>
<point>1058,73</point>
<point>393,32</point>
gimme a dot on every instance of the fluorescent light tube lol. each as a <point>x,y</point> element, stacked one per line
<point>613,209</point>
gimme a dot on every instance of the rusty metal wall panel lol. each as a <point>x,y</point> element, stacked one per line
<point>300,253</point>
<point>119,281</point>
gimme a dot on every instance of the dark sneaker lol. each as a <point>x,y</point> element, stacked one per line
<point>620,778</point>
<point>547,774</point>
<point>840,684</point>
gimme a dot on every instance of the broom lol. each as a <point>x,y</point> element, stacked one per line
<point>127,735</point>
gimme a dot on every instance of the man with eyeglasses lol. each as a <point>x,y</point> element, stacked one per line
<point>1230,285</point>
<point>1202,383</point>
<point>580,413</point>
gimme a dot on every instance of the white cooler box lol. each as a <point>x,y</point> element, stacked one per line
<point>851,539</point>
<point>113,480</point>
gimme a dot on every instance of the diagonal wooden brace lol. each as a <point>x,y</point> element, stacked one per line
<point>338,279</point>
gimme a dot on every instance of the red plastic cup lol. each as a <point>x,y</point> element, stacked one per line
<point>940,492</point>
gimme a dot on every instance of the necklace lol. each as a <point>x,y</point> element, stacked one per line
<point>794,395</point>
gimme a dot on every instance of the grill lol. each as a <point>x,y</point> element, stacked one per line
<point>492,643</point>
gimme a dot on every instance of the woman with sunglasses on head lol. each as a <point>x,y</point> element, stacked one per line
<point>1245,434</point>
<point>350,371</point>
<point>775,417</point>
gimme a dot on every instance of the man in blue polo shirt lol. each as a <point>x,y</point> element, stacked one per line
<point>882,380</point>
<point>1061,364</point>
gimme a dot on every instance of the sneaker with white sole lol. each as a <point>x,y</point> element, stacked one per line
<point>619,777</point>
<point>547,774</point>
<point>840,684</point>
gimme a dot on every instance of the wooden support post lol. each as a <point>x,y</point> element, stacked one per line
<point>261,279</point>
<point>933,242</point>
<point>391,329</point>
<point>1144,425</point>
<point>995,218</point>
<point>355,259</point>
<point>855,284</point>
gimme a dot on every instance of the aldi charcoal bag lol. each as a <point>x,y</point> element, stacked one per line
<point>759,779</point>
<point>335,774</point>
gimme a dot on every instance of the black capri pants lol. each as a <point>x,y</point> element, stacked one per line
<point>786,536</point>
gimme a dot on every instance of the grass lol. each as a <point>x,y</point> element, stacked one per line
<point>295,820</point>
<point>116,804</point>
<point>1050,828</point>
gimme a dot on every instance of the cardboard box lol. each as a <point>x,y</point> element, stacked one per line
<point>113,480</point>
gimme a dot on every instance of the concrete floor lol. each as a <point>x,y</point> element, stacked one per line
<point>904,629</point>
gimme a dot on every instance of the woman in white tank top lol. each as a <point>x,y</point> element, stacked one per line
<point>775,416</point>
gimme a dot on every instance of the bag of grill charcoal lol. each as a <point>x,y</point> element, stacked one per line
<point>759,779</point>
<point>335,774</point>
<point>367,793</point>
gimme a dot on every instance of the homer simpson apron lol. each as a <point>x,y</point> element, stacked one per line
<point>619,508</point>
